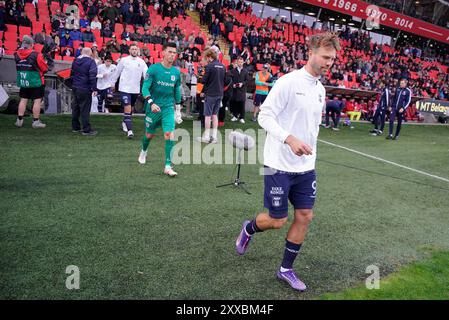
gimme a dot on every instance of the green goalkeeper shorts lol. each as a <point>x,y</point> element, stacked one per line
<point>166,118</point>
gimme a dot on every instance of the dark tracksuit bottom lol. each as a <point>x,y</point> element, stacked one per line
<point>379,115</point>
<point>335,115</point>
<point>395,113</point>
<point>81,106</point>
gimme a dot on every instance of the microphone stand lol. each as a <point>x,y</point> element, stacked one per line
<point>237,182</point>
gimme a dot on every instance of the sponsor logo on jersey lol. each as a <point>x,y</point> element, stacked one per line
<point>165,84</point>
<point>277,190</point>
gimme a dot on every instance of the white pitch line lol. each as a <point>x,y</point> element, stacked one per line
<point>383,160</point>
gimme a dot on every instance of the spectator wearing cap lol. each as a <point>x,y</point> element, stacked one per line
<point>66,40</point>
<point>263,84</point>
<point>84,75</point>
<point>31,67</point>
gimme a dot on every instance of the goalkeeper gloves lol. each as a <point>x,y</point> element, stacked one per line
<point>178,116</point>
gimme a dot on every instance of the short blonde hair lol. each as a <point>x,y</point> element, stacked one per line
<point>327,39</point>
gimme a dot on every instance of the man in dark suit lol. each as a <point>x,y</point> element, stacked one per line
<point>240,78</point>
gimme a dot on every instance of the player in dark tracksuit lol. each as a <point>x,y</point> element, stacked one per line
<point>401,101</point>
<point>381,110</point>
<point>333,108</point>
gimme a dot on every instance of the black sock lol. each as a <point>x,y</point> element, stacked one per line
<point>20,117</point>
<point>35,119</point>
<point>290,253</point>
<point>251,228</point>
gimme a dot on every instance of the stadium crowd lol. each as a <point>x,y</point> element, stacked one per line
<point>110,26</point>
<point>362,64</point>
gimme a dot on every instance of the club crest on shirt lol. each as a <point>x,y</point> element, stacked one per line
<point>320,98</point>
<point>173,78</point>
<point>276,201</point>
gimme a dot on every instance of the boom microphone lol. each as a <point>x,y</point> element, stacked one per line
<point>241,141</point>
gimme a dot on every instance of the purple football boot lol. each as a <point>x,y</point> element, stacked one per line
<point>241,244</point>
<point>292,279</point>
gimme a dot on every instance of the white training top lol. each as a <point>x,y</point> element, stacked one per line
<point>293,107</point>
<point>130,70</point>
<point>105,76</point>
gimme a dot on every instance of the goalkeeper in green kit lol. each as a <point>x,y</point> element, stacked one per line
<point>162,92</point>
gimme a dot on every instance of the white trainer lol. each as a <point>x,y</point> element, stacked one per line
<point>242,121</point>
<point>38,124</point>
<point>130,134</point>
<point>142,157</point>
<point>19,123</point>
<point>234,119</point>
<point>203,139</point>
<point>124,127</point>
<point>170,172</point>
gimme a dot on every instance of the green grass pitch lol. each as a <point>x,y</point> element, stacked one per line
<point>134,233</point>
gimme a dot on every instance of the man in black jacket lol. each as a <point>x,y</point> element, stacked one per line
<point>240,78</point>
<point>84,76</point>
<point>213,81</point>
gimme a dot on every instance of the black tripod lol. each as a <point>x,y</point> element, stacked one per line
<point>237,182</point>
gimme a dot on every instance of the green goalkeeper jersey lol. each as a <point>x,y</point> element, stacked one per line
<point>162,86</point>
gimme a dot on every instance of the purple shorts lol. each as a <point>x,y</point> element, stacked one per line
<point>280,187</point>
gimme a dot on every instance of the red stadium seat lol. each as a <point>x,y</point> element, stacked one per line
<point>118,30</point>
<point>115,56</point>
<point>24,30</point>
<point>11,28</point>
<point>37,26</point>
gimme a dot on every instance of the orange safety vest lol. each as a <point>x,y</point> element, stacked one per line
<point>199,87</point>
<point>263,78</point>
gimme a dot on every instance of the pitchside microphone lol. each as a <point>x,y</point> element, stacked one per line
<point>241,141</point>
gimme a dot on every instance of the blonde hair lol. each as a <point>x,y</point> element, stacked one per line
<point>327,39</point>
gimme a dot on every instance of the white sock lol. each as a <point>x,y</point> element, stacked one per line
<point>207,133</point>
<point>214,133</point>
<point>284,270</point>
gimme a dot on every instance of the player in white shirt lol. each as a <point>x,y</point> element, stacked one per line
<point>291,115</point>
<point>131,70</point>
<point>105,75</point>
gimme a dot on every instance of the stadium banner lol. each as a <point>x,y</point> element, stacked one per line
<point>375,15</point>
<point>437,107</point>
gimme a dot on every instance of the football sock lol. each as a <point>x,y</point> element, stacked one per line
<point>127,120</point>
<point>145,142</point>
<point>251,228</point>
<point>20,117</point>
<point>168,150</point>
<point>290,253</point>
